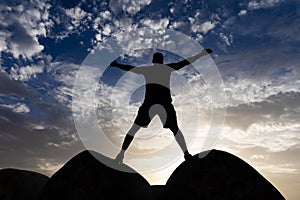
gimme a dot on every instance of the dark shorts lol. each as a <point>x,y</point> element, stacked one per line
<point>165,111</point>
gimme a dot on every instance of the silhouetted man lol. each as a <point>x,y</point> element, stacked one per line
<point>158,99</point>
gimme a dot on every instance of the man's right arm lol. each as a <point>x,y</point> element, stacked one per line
<point>121,66</point>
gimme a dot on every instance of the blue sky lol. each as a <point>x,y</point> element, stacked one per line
<point>256,49</point>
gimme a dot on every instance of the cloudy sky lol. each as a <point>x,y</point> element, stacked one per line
<point>44,44</point>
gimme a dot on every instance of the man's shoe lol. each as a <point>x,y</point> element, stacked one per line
<point>188,156</point>
<point>119,158</point>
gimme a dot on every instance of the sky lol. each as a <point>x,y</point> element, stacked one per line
<point>47,47</point>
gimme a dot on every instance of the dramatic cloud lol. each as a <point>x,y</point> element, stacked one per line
<point>21,25</point>
<point>9,86</point>
<point>255,46</point>
<point>35,125</point>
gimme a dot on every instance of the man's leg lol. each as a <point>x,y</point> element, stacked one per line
<point>128,139</point>
<point>180,140</point>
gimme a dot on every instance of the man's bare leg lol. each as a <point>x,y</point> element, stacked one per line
<point>128,139</point>
<point>180,140</point>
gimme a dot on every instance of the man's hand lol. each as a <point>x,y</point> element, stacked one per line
<point>113,63</point>
<point>209,51</point>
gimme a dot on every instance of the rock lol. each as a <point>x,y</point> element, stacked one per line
<point>18,184</point>
<point>218,175</point>
<point>84,177</point>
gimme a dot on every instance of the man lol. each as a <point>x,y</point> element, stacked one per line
<point>158,99</point>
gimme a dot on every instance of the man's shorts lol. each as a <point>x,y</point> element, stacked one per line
<point>165,111</point>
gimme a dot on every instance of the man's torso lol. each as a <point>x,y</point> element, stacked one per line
<point>157,79</point>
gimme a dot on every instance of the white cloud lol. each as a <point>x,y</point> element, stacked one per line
<point>227,39</point>
<point>279,169</point>
<point>161,24</point>
<point>242,12</point>
<point>84,88</point>
<point>258,4</point>
<point>48,166</point>
<point>21,108</point>
<point>106,14</point>
<point>172,10</point>
<point>23,25</point>
<point>272,136</point>
<point>204,27</point>
<point>25,48</point>
<point>38,127</point>
<point>143,38</point>
<point>77,15</point>
<point>3,43</point>
<point>245,89</point>
<point>106,29</point>
<point>132,7</point>
<point>259,157</point>
<point>18,108</point>
<point>26,73</point>
<point>64,73</point>
<point>176,24</point>
<point>263,111</point>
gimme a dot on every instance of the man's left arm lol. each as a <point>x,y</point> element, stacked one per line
<point>189,60</point>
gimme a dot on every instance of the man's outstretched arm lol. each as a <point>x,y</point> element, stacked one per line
<point>121,66</point>
<point>189,60</point>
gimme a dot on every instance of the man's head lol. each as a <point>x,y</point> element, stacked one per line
<point>158,58</point>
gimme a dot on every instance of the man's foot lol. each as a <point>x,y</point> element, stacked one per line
<point>187,156</point>
<point>119,158</point>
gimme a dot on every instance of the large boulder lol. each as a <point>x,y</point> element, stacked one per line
<point>18,184</point>
<point>84,177</point>
<point>218,175</point>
